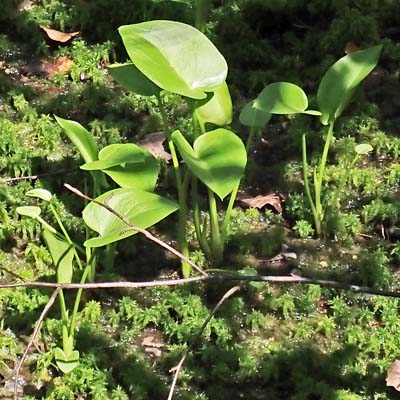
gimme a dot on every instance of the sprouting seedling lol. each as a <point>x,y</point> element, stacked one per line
<point>361,150</point>
<point>334,94</point>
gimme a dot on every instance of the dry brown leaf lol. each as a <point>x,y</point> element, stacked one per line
<point>351,47</point>
<point>48,68</point>
<point>393,375</point>
<point>58,36</point>
<point>273,199</point>
<point>153,142</point>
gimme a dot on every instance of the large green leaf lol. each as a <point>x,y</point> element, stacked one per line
<point>281,98</point>
<point>128,76</point>
<point>218,158</point>
<point>218,110</point>
<point>254,117</point>
<point>128,165</point>
<point>80,137</point>
<point>62,254</point>
<point>175,56</point>
<point>341,79</point>
<point>142,209</point>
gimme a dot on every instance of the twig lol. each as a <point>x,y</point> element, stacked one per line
<point>34,177</point>
<point>32,339</point>
<point>177,369</point>
<point>221,277</point>
<point>11,273</point>
<point>136,228</point>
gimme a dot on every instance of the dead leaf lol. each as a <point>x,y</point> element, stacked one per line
<point>393,375</point>
<point>153,142</point>
<point>48,68</point>
<point>351,47</point>
<point>272,199</point>
<point>58,36</point>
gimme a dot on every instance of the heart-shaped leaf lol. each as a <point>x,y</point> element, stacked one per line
<point>128,165</point>
<point>142,209</point>
<point>29,211</point>
<point>40,194</point>
<point>218,110</point>
<point>66,362</point>
<point>62,254</point>
<point>363,148</point>
<point>80,137</point>
<point>175,56</point>
<point>341,79</point>
<point>128,76</point>
<point>281,98</point>
<point>253,117</point>
<point>218,158</point>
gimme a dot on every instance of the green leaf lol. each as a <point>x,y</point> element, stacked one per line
<point>62,254</point>
<point>175,56</point>
<point>341,79</point>
<point>363,148</point>
<point>66,362</point>
<point>80,137</point>
<point>128,76</point>
<point>142,209</point>
<point>40,194</point>
<point>29,211</point>
<point>281,98</point>
<point>128,165</point>
<point>218,110</point>
<point>253,117</point>
<point>218,158</point>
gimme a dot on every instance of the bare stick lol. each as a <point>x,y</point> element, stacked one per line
<point>177,369</point>
<point>136,228</point>
<point>32,339</point>
<point>34,177</point>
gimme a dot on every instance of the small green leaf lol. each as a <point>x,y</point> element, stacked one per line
<point>218,110</point>
<point>66,362</point>
<point>128,76</point>
<point>363,148</point>
<point>81,138</point>
<point>253,117</point>
<point>281,98</point>
<point>128,165</point>
<point>175,56</point>
<point>218,158</point>
<point>29,211</point>
<point>40,194</point>
<point>339,82</point>
<point>62,254</point>
<point>142,209</point>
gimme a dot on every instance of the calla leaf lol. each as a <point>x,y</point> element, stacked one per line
<point>40,194</point>
<point>142,209</point>
<point>175,56</point>
<point>66,362</point>
<point>253,117</point>
<point>218,110</point>
<point>363,148</point>
<point>29,211</point>
<point>282,98</point>
<point>62,254</point>
<point>218,158</point>
<point>80,137</point>
<point>128,165</point>
<point>339,82</point>
<point>128,76</point>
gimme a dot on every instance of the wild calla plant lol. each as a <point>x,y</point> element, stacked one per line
<point>178,58</point>
<point>334,94</point>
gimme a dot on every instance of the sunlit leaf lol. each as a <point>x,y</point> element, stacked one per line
<point>142,209</point>
<point>339,82</point>
<point>175,56</point>
<point>40,194</point>
<point>66,362</point>
<point>29,211</point>
<point>363,148</point>
<point>218,158</point>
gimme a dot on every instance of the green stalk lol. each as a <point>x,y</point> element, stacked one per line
<point>201,12</point>
<point>228,213</point>
<point>250,138</point>
<point>307,186</point>
<point>217,246</point>
<point>182,193</point>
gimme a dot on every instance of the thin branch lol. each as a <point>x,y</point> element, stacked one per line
<point>32,339</point>
<point>136,228</point>
<point>177,369</point>
<point>221,277</point>
<point>34,177</point>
